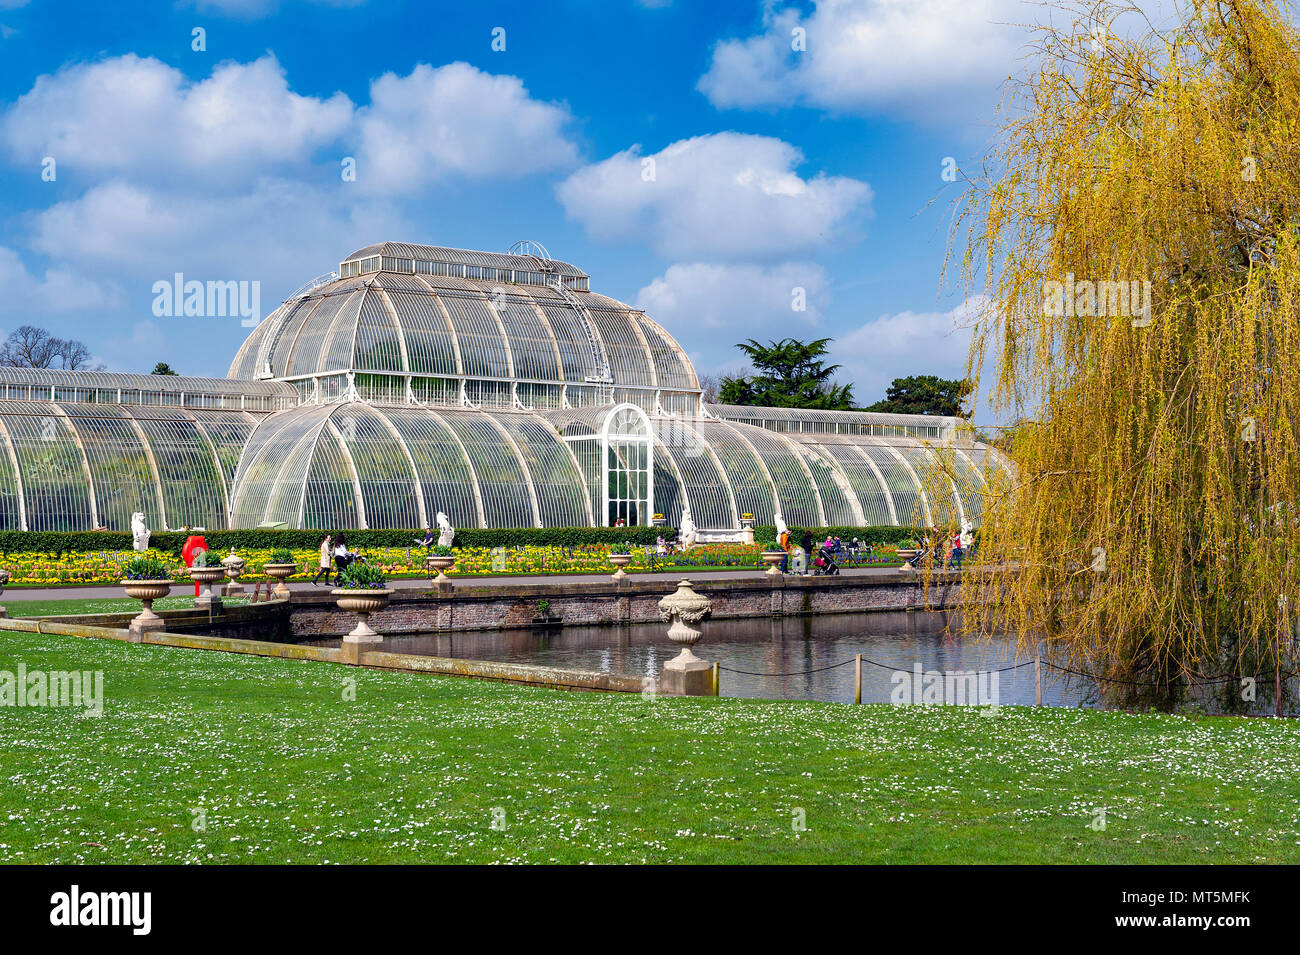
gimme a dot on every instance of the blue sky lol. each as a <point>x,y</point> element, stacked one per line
<point>774,168</point>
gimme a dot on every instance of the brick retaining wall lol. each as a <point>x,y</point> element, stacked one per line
<point>315,616</point>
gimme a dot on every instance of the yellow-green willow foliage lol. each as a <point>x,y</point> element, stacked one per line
<point>1154,516</point>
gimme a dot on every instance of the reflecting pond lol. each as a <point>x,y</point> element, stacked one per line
<point>791,658</point>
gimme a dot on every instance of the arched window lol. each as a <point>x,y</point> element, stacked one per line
<point>627,446</point>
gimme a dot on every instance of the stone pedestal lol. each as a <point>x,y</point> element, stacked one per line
<point>354,645</point>
<point>689,678</point>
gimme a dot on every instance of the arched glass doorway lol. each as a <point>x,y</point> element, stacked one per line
<point>627,446</point>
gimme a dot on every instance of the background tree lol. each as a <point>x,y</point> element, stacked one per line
<point>925,394</point>
<point>31,347</point>
<point>162,368</point>
<point>789,374</point>
<point>1155,513</point>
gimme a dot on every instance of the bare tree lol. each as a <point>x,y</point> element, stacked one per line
<point>74,355</point>
<point>709,385</point>
<point>30,347</point>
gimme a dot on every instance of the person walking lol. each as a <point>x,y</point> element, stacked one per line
<point>326,560</point>
<point>783,541</point>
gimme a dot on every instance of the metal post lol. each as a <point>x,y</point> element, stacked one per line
<point>716,678</point>
<point>857,679</point>
<point>1038,676</point>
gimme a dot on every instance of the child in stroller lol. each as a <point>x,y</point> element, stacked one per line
<point>824,563</point>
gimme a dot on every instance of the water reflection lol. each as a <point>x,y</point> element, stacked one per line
<point>790,646</point>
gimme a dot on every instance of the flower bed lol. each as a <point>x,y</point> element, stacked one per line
<point>106,567</point>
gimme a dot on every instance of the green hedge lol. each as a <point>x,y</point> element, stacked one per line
<point>59,542</point>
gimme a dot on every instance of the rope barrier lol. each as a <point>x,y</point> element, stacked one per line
<point>883,666</point>
<point>791,673</point>
<point>1227,678</point>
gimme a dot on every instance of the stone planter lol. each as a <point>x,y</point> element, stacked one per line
<point>279,572</point>
<point>619,561</point>
<point>146,591</point>
<point>906,554</point>
<point>362,602</point>
<point>686,674</point>
<point>442,563</point>
<point>207,576</point>
<point>234,567</point>
<point>773,560</point>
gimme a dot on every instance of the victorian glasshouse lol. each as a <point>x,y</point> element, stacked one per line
<point>497,389</point>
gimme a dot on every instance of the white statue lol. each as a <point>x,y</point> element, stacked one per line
<point>687,532</point>
<point>139,532</point>
<point>967,534</point>
<point>781,527</point>
<point>446,533</point>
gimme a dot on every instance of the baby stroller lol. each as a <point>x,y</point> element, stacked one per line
<point>824,563</point>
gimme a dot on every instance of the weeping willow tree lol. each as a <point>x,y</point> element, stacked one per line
<point>1135,234</point>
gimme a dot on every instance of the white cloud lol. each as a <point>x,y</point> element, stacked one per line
<point>59,290</point>
<point>138,116</point>
<point>724,195</point>
<point>906,343</point>
<point>253,9</point>
<point>709,308</point>
<point>457,120</point>
<point>279,233</point>
<point>892,56</point>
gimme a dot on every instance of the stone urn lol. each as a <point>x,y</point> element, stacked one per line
<point>4,579</point>
<point>362,602</point>
<point>146,591</point>
<point>234,568</point>
<point>442,563</point>
<point>686,674</point>
<point>207,576</point>
<point>747,528</point>
<point>773,560</point>
<point>619,561</point>
<point>907,555</point>
<point>279,572</point>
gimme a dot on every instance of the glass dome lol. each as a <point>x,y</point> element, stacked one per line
<point>468,328</point>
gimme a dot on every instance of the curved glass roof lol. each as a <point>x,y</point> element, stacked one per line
<point>352,465</point>
<point>391,323</point>
<point>69,466</point>
<point>356,465</point>
<point>441,254</point>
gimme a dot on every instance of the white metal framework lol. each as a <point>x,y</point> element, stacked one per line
<point>496,388</point>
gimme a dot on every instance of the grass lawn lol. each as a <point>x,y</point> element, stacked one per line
<point>285,768</point>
